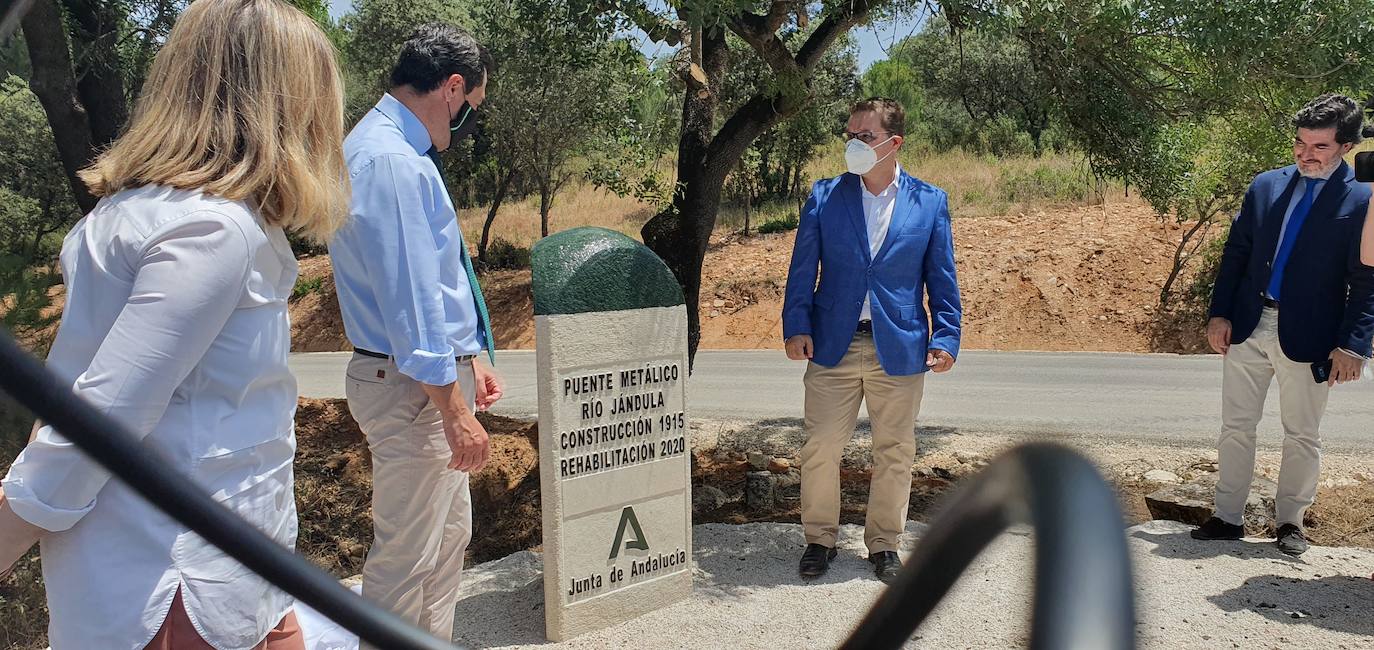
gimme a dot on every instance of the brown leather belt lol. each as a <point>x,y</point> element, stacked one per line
<point>1270,302</point>
<point>865,327</point>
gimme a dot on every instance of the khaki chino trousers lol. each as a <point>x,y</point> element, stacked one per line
<point>833,396</point>
<point>421,509</point>
<point>1248,370</point>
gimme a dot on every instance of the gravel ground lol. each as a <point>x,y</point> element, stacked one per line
<point>1191,595</point>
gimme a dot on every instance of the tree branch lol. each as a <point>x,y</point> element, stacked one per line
<point>836,24</point>
<point>778,13</point>
<point>658,28</point>
<point>755,31</point>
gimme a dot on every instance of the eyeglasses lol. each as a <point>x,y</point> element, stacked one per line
<point>866,137</point>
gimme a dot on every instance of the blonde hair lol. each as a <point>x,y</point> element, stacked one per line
<point>244,101</point>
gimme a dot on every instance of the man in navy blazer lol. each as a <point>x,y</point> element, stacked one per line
<point>881,242</point>
<point>1291,299</point>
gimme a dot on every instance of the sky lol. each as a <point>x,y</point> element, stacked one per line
<point>873,40</point>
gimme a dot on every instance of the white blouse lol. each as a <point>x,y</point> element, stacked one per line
<point>175,325</point>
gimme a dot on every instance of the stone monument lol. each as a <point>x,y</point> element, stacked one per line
<point>614,456</point>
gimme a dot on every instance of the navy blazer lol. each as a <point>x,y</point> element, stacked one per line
<point>915,260</point>
<point>1327,294</point>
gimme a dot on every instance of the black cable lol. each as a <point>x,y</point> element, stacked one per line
<point>1084,598</point>
<point>144,469</point>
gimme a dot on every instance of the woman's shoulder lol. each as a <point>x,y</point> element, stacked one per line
<point>153,209</point>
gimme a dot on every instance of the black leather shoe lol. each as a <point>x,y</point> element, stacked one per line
<point>886,565</point>
<point>1215,528</point>
<point>815,561</point>
<point>1291,540</point>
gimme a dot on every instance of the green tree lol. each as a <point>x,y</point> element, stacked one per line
<point>1184,101</point>
<point>785,150</point>
<point>896,79</point>
<point>1119,72</point>
<point>35,205</point>
<point>562,88</point>
<point>370,36</point>
<point>86,63</point>
<point>627,162</point>
<point>984,75</point>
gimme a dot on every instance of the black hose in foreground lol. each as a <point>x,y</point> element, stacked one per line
<point>143,469</point>
<point>1084,598</point>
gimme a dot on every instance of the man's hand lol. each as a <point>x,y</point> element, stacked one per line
<point>489,385</point>
<point>1219,334</point>
<point>466,437</point>
<point>799,347</point>
<point>468,441</point>
<point>939,360</point>
<point>1344,367</point>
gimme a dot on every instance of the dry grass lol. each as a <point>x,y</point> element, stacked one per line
<point>579,205</point>
<point>24,607</point>
<point>978,185</point>
<point>1343,516</point>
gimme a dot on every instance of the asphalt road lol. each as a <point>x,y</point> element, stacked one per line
<point>1169,399</point>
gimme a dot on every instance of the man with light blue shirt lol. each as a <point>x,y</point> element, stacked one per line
<point>414,312</point>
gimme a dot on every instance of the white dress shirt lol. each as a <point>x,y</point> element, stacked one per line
<point>878,216</point>
<point>175,325</point>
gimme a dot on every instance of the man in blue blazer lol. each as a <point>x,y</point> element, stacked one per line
<point>881,242</point>
<point>1291,301</point>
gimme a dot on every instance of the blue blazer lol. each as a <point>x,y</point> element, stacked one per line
<point>1327,294</point>
<point>916,260</point>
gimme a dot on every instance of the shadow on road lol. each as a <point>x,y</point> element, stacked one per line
<point>1339,603</point>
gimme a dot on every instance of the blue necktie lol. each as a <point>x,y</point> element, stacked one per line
<point>484,332</point>
<point>1290,235</point>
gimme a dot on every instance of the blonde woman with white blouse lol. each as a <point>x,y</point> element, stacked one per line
<point>176,326</point>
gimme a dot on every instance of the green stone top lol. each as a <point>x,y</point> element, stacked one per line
<point>592,269</point>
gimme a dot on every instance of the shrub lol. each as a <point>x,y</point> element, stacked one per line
<point>502,254</point>
<point>783,224</point>
<point>1045,183</point>
<point>306,286</point>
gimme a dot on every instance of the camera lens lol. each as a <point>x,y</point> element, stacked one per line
<point>1364,167</point>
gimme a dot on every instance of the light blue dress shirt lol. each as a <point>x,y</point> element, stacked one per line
<point>398,266</point>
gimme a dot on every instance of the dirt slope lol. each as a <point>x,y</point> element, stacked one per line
<point>1072,279</point>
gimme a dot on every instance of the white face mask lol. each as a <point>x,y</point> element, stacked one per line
<point>861,157</point>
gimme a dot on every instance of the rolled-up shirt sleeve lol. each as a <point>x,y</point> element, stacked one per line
<point>189,276</point>
<point>405,273</point>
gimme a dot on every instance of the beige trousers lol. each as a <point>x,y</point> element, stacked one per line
<point>1248,370</point>
<point>421,509</point>
<point>833,396</point>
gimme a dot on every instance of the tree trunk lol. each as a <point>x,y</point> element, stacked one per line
<point>501,189</point>
<point>1181,258</point>
<point>680,234</point>
<point>747,201</point>
<point>545,205</point>
<point>53,81</point>
<point>100,80</point>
